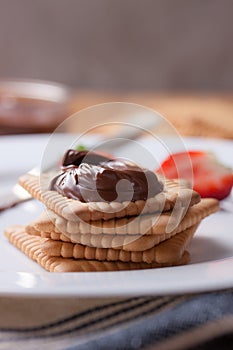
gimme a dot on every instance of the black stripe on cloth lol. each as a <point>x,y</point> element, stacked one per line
<point>73,317</point>
<point>98,320</point>
<point>155,331</point>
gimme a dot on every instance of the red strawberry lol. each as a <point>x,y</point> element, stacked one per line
<point>210,178</point>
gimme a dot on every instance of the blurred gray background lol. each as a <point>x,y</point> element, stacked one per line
<point>119,44</point>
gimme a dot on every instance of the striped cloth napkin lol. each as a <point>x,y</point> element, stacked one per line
<point>200,321</point>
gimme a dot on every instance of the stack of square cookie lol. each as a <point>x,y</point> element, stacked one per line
<point>74,236</point>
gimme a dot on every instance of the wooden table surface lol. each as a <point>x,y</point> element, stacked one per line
<point>206,114</point>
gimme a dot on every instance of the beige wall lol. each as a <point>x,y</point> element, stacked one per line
<point>119,44</point>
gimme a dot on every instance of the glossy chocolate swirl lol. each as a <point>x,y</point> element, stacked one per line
<point>73,157</point>
<point>108,181</point>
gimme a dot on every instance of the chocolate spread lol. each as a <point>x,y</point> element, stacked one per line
<point>111,180</point>
<point>73,157</point>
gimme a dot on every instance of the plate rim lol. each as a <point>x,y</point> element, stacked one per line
<point>41,289</point>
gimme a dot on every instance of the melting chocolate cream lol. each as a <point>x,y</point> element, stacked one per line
<point>73,157</point>
<point>112,180</point>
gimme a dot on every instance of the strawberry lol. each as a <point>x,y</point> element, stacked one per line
<point>210,177</point>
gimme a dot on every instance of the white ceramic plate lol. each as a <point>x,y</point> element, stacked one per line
<point>211,249</point>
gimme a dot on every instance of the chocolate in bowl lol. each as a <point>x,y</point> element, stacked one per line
<point>32,106</point>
